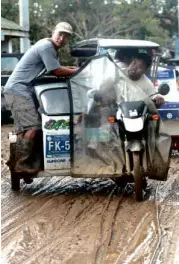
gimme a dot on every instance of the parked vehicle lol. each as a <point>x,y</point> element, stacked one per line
<point>173,62</point>
<point>169,111</point>
<point>85,136</point>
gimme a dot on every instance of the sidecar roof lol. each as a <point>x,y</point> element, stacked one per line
<point>119,43</point>
<point>89,47</point>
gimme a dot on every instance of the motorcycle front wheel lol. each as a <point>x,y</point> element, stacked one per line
<point>138,176</point>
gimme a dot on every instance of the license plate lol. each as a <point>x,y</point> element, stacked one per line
<point>57,146</point>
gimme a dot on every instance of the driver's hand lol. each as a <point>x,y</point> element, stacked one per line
<point>159,100</point>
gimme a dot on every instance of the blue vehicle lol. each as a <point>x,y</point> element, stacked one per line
<point>169,111</point>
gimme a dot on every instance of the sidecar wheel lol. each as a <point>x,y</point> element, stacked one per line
<point>138,177</point>
<point>15,181</point>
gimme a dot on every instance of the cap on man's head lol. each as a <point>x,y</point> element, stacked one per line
<point>64,27</point>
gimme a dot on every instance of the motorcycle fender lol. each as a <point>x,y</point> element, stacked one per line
<point>135,145</point>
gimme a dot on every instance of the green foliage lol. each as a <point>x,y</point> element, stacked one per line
<point>141,21</point>
<point>10,10</point>
<point>168,16</point>
<point>89,18</point>
<point>138,19</point>
<point>65,58</point>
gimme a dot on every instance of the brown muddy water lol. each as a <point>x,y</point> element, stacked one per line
<point>61,220</point>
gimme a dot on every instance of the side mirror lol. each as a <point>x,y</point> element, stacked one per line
<point>163,89</point>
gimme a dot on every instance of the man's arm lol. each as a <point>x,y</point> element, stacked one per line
<point>150,89</point>
<point>64,71</point>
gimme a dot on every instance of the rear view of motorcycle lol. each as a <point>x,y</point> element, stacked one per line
<point>135,126</point>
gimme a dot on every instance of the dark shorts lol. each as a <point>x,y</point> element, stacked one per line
<point>24,111</point>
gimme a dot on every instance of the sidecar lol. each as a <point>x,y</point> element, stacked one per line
<point>80,134</point>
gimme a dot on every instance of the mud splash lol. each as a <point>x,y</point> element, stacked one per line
<point>61,220</point>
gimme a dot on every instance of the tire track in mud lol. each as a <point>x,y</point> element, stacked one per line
<point>167,204</point>
<point>106,243</point>
<point>140,243</point>
<point>160,234</point>
<point>113,222</point>
<point>101,243</point>
<point>73,224</point>
<point>54,241</point>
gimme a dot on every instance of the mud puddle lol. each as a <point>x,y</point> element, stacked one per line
<point>61,220</point>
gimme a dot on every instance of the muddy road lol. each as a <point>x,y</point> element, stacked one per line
<point>61,220</point>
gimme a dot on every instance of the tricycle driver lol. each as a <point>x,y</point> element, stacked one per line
<point>136,73</point>
<point>137,70</point>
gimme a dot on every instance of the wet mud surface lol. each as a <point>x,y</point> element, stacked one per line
<point>61,220</point>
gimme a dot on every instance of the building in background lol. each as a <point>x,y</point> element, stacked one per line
<point>10,30</point>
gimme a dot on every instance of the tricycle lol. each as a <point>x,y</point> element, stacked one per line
<point>96,124</point>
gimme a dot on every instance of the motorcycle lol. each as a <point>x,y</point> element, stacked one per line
<point>134,119</point>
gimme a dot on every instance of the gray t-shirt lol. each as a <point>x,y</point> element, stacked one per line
<point>42,55</point>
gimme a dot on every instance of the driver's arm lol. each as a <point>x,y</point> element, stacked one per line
<point>150,89</point>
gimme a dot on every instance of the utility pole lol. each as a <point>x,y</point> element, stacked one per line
<point>24,23</point>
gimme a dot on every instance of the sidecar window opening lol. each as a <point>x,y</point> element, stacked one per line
<point>55,101</point>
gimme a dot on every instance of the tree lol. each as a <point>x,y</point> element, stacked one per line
<point>168,16</point>
<point>88,18</point>
<point>97,18</point>
<point>10,10</point>
<point>141,21</point>
<point>138,19</point>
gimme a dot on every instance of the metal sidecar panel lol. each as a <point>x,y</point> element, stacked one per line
<point>158,168</point>
<point>56,142</point>
<point>54,102</point>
